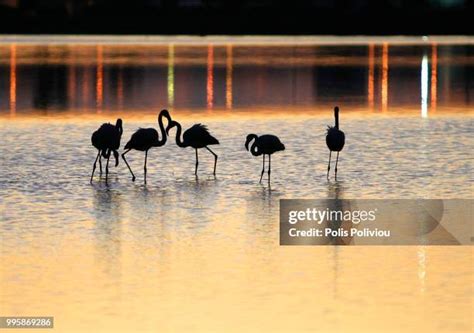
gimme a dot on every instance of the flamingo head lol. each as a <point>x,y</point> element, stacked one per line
<point>166,114</point>
<point>171,124</point>
<point>250,137</point>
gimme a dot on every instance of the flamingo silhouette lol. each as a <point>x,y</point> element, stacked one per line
<point>106,139</point>
<point>145,138</point>
<point>197,136</point>
<point>335,140</point>
<point>264,145</point>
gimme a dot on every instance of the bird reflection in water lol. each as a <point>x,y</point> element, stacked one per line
<point>107,229</point>
<point>333,203</point>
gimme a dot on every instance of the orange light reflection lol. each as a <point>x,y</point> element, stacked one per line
<point>85,87</point>
<point>210,77</point>
<point>434,76</point>
<point>228,79</point>
<point>99,79</point>
<point>370,88</point>
<point>120,89</point>
<point>13,80</point>
<point>384,77</point>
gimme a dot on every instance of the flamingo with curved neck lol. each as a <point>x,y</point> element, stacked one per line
<point>197,137</point>
<point>145,138</point>
<point>264,145</point>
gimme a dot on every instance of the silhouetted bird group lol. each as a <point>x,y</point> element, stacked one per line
<point>107,140</point>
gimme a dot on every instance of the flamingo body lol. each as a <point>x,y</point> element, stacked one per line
<point>265,144</point>
<point>143,139</point>
<point>197,137</point>
<point>335,140</point>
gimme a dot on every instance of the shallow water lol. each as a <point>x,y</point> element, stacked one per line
<point>185,253</point>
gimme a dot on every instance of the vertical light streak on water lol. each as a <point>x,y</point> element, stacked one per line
<point>85,86</point>
<point>384,77</point>
<point>434,76</point>
<point>170,75</point>
<point>228,77</point>
<point>12,79</point>
<point>99,79</point>
<point>210,76</point>
<point>120,88</point>
<point>424,87</point>
<point>71,86</point>
<point>370,87</point>
<point>422,267</point>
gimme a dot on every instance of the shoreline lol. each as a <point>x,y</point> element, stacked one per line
<point>232,39</point>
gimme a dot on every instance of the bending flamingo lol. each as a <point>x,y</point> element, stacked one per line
<point>264,145</point>
<point>145,138</point>
<point>106,139</point>
<point>197,136</point>
<point>335,140</point>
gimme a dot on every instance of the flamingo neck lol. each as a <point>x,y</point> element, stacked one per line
<point>179,142</point>
<point>118,126</point>
<point>336,116</point>
<point>163,132</point>
<point>254,149</point>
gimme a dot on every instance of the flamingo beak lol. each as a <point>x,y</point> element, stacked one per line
<point>170,125</point>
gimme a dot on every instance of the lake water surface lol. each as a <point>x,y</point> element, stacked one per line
<point>202,254</point>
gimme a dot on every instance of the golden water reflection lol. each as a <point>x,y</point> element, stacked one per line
<point>434,76</point>
<point>228,81</point>
<point>370,88</point>
<point>384,84</point>
<point>183,254</point>
<point>12,79</point>
<point>210,77</point>
<point>100,78</point>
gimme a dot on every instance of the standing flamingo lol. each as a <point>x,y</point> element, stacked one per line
<point>264,145</point>
<point>145,138</point>
<point>106,139</point>
<point>197,136</point>
<point>335,140</point>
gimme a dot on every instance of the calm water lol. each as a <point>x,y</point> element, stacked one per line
<point>187,254</point>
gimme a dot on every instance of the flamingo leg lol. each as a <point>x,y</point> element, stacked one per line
<point>107,168</point>
<point>329,165</point>
<point>95,163</point>
<point>263,169</point>
<point>100,163</point>
<point>269,167</point>
<point>123,156</point>
<point>215,159</point>
<point>197,163</point>
<point>335,170</point>
<point>144,166</point>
